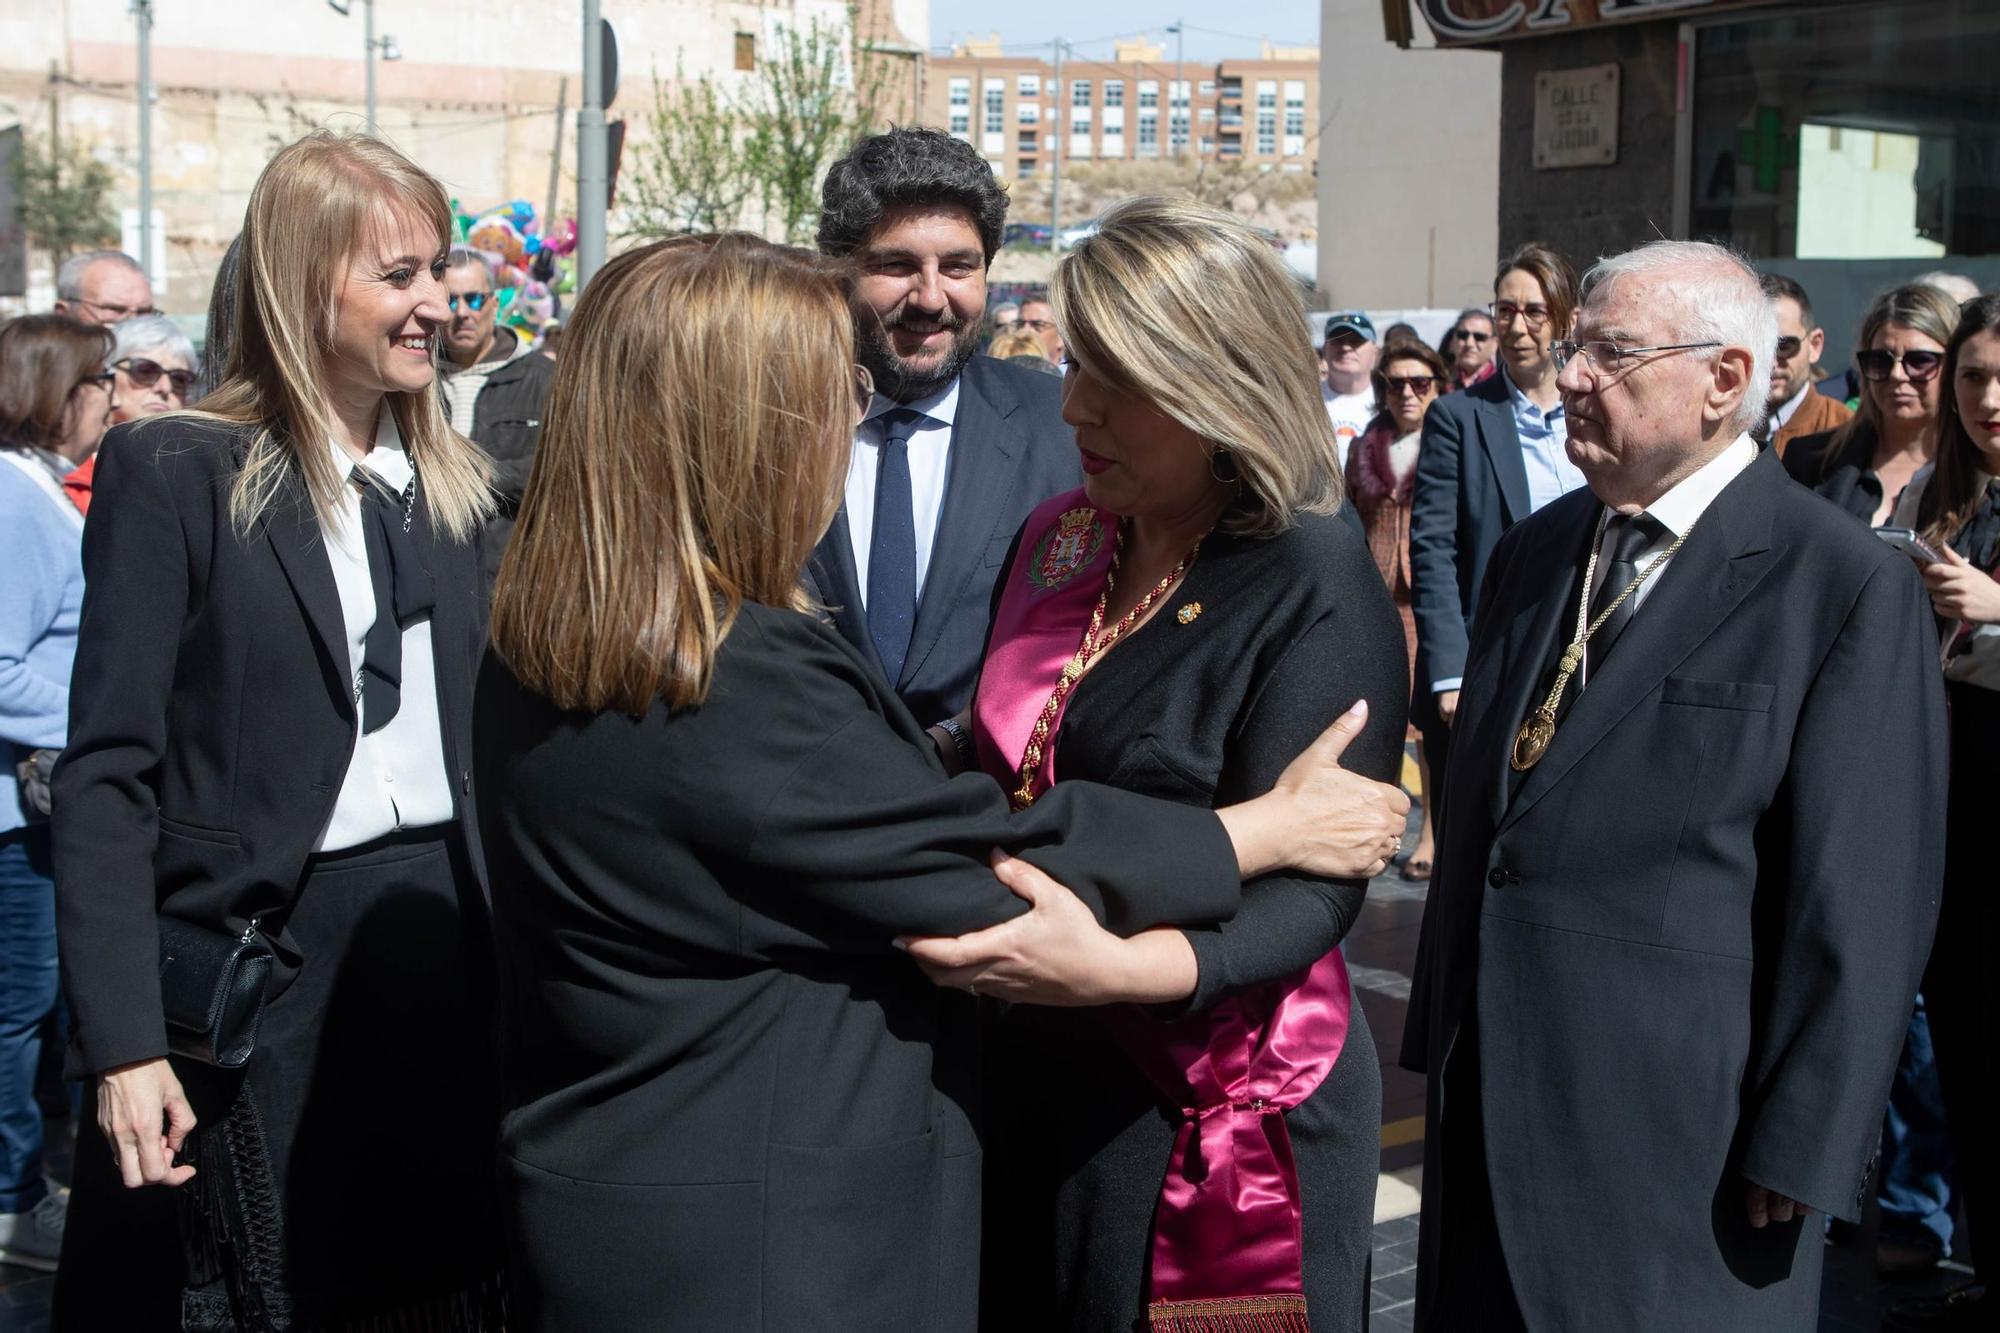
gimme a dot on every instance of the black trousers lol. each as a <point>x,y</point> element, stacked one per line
<point>1472,1288</point>
<point>1962,984</point>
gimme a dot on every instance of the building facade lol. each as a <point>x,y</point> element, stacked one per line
<point>482,95</point>
<point>1017,109</point>
<point>1850,143</point>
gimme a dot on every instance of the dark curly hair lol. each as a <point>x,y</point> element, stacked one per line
<point>904,167</point>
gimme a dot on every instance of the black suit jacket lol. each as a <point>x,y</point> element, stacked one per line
<point>1010,450</point>
<point>729,1101</point>
<point>1471,487</point>
<point>211,719</point>
<point>1693,932</point>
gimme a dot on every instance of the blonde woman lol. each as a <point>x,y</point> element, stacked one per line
<point>270,741</point>
<point>730,1101</point>
<point>1179,628</point>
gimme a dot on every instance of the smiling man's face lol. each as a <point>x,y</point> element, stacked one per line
<point>923,275</point>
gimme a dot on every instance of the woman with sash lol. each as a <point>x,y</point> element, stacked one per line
<point>1180,627</point>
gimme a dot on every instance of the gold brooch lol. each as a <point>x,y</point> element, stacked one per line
<point>1186,615</point>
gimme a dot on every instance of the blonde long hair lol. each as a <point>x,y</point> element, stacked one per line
<point>692,453</point>
<point>313,206</point>
<point>1187,308</point>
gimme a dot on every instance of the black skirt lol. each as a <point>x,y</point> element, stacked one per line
<point>345,1177</point>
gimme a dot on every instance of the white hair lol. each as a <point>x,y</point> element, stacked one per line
<point>69,278</point>
<point>151,333</point>
<point>1955,285</point>
<point>1712,295</point>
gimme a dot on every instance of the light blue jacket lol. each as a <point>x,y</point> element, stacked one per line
<point>41,602</point>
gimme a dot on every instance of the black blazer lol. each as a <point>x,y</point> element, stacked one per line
<point>1471,487</point>
<point>1693,932</point>
<point>729,1102</point>
<point>211,719</point>
<point>1853,486</point>
<point>1010,450</point>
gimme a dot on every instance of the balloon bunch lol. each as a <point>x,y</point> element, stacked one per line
<point>531,267</point>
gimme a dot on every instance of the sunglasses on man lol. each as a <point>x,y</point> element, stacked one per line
<point>1788,347</point>
<point>1468,335</point>
<point>474,301</point>
<point>145,374</point>
<point>1878,365</point>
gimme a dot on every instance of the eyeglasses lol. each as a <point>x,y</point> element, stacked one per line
<point>103,379</point>
<point>1345,342</point>
<point>1467,335</point>
<point>1788,347</point>
<point>110,313</point>
<point>1506,312</point>
<point>1416,384</point>
<point>474,301</point>
<point>1877,364</point>
<point>145,374</point>
<point>1609,357</point>
<point>1038,325</point>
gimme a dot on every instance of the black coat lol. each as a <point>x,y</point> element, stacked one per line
<point>507,424</point>
<point>1010,450</point>
<point>1850,483</point>
<point>729,1101</point>
<point>1471,487</point>
<point>211,718</point>
<point>1692,934</point>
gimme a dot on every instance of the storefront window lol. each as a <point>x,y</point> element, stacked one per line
<point>1867,131</point>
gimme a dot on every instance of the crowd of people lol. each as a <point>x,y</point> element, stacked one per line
<point>582,844</point>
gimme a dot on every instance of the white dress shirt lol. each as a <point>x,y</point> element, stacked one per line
<point>396,777</point>
<point>930,460</point>
<point>1676,512</point>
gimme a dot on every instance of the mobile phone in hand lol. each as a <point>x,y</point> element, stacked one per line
<point>1910,544</point>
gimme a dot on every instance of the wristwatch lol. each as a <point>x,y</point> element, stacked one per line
<point>961,740</point>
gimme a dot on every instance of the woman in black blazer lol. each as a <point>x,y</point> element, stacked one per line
<point>729,1101</point>
<point>270,737</point>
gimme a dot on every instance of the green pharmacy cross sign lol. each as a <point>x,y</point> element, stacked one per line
<point>1766,147</point>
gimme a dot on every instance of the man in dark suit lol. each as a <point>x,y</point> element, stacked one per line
<point>956,448</point>
<point>1684,891</point>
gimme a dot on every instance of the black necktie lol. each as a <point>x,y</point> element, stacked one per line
<point>1624,538</point>
<point>892,546</point>
<point>403,593</point>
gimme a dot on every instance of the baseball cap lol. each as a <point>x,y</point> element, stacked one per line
<point>1349,321</point>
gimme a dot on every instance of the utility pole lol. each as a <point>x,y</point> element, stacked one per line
<point>555,154</point>
<point>1062,129</point>
<point>592,170</point>
<point>142,13</point>
<point>386,46</point>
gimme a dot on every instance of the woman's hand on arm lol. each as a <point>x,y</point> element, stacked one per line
<point>145,1118</point>
<point>1320,819</point>
<point>1056,953</point>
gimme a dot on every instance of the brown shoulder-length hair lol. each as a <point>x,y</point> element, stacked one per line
<point>1960,476</point>
<point>1558,278</point>
<point>692,453</point>
<point>42,360</point>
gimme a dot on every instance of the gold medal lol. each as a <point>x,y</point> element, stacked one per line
<point>1532,741</point>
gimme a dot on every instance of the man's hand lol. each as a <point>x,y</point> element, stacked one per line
<point>145,1118</point>
<point>1056,953</point>
<point>1447,702</point>
<point>1960,590</point>
<point>1768,1206</point>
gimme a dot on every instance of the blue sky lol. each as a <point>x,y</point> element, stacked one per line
<point>1215,31</point>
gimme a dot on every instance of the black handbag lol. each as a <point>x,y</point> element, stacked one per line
<point>212,988</point>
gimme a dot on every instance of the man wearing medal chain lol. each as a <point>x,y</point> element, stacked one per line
<point>1688,871</point>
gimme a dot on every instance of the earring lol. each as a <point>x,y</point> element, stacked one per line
<point>1223,462</point>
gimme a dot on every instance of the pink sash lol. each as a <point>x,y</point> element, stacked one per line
<point>1227,1255</point>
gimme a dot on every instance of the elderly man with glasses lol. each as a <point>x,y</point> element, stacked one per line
<point>1672,940</point>
<point>494,387</point>
<point>103,287</point>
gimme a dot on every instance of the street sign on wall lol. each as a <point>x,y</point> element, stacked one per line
<point>1576,117</point>
<point>1466,22</point>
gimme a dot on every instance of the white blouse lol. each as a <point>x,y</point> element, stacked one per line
<point>396,777</point>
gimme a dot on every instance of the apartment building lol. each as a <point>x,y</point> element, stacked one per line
<point>1016,108</point>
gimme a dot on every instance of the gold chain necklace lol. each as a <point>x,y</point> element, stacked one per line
<point>1531,742</point>
<point>1096,640</point>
